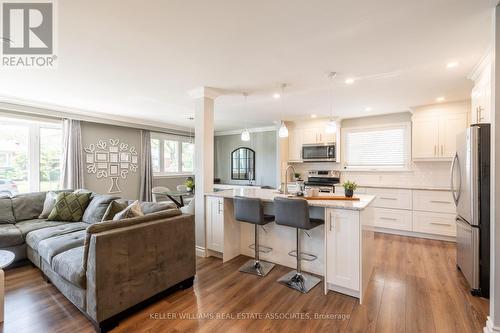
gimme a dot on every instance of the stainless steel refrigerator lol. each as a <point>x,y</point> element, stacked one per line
<point>470,187</point>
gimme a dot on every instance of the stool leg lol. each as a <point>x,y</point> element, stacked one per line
<point>256,266</point>
<point>296,279</point>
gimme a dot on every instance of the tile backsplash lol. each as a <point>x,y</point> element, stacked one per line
<point>434,174</point>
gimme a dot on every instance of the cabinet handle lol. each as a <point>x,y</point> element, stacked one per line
<point>480,112</point>
<point>441,201</point>
<point>435,149</point>
<point>388,218</point>
<point>386,198</point>
<point>444,224</point>
<point>442,150</point>
<point>320,137</point>
<point>331,218</point>
<point>219,207</point>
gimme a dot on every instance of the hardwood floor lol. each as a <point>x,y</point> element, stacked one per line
<point>415,287</point>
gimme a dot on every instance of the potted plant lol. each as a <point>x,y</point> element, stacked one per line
<point>349,188</point>
<point>189,184</point>
<point>297,176</point>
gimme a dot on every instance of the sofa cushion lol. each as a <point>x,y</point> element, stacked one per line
<point>29,225</point>
<point>153,207</point>
<point>70,207</point>
<point>36,236</point>
<point>97,207</point>
<point>28,206</point>
<point>69,265</point>
<point>6,213</point>
<point>51,247</point>
<point>10,235</point>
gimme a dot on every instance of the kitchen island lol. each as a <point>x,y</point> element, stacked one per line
<point>344,245</point>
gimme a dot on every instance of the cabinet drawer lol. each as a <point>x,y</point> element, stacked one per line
<point>434,223</point>
<point>433,201</point>
<point>391,198</point>
<point>392,219</point>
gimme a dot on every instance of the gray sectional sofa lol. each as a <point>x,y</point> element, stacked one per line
<point>106,269</point>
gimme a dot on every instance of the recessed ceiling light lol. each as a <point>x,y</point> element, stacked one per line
<point>452,64</point>
<point>368,109</point>
<point>276,96</point>
<point>440,99</point>
<point>313,116</point>
<point>349,80</point>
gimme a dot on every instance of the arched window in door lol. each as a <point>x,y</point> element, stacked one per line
<point>243,164</point>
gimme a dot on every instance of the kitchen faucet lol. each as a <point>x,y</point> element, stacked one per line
<point>286,177</point>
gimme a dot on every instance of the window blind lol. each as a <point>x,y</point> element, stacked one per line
<point>377,148</point>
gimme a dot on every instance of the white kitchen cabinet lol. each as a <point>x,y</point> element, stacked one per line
<point>295,140</point>
<point>434,223</point>
<point>315,135</point>
<point>481,93</point>
<point>398,219</point>
<point>391,198</point>
<point>342,248</point>
<point>215,223</point>
<point>434,135</point>
<point>433,201</point>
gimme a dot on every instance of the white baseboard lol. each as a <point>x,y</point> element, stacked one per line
<point>201,251</point>
<point>490,328</point>
<point>415,234</point>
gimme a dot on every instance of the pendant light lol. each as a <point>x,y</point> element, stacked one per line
<point>331,127</point>
<point>190,131</point>
<point>283,131</point>
<point>245,135</point>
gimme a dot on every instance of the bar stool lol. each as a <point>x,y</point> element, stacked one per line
<point>250,210</point>
<point>295,213</point>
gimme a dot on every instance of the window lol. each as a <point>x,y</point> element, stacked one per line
<point>30,155</point>
<point>377,148</point>
<point>172,154</point>
<point>243,164</point>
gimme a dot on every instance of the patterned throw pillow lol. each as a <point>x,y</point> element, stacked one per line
<point>48,205</point>
<point>69,207</point>
<point>114,208</point>
<point>133,210</point>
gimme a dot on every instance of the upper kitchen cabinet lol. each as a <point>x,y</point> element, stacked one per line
<point>312,135</point>
<point>481,93</point>
<point>435,128</point>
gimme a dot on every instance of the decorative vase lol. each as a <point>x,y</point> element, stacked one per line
<point>349,193</point>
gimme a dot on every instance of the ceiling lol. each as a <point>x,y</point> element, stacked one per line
<point>140,59</point>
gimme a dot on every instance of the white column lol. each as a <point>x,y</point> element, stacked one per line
<point>204,157</point>
<point>493,322</point>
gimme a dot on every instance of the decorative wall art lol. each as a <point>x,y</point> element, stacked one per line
<point>111,159</point>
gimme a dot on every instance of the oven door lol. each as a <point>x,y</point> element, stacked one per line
<point>317,153</point>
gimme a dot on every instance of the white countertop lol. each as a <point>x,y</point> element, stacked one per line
<point>403,187</point>
<point>269,195</point>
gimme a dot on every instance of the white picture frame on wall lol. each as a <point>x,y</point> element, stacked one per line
<point>89,158</point>
<point>114,170</point>
<point>113,157</point>
<point>113,149</point>
<point>125,157</point>
<point>101,156</point>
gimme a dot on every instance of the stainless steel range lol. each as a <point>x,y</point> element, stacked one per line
<point>324,180</point>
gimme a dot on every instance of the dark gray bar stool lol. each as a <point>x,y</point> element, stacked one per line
<point>250,210</point>
<point>295,213</point>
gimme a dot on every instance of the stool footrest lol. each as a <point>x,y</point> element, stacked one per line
<point>262,248</point>
<point>303,255</point>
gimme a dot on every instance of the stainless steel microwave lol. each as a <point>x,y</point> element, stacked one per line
<point>319,153</point>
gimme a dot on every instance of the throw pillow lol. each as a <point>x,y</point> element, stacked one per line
<point>133,210</point>
<point>114,208</point>
<point>48,205</point>
<point>69,207</point>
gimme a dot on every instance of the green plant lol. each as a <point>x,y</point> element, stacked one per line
<point>296,175</point>
<point>189,183</point>
<point>348,185</point>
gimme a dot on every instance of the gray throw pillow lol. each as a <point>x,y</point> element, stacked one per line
<point>98,207</point>
<point>132,210</point>
<point>48,205</point>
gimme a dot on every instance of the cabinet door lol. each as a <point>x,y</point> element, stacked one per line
<point>310,135</point>
<point>342,256</point>
<point>425,138</point>
<point>215,223</point>
<point>449,127</point>
<point>435,223</point>
<point>324,137</point>
<point>295,145</point>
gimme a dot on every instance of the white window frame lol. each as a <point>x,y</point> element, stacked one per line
<point>180,139</point>
<point>33,145</point>
<point>407,166</point>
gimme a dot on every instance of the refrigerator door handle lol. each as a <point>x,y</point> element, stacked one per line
<point>452,183</point>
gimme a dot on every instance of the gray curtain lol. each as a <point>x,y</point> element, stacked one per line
<point>72,160</point>
<point>146,168</point>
